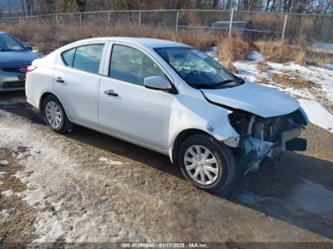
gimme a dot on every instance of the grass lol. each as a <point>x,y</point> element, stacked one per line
<point>231,49</point>
<point>48,36</point>
<point>281,52</point>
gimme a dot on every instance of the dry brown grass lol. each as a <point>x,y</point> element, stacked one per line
<point>280,52</point>
<point>231,49</point>
<point>290,79</point>
<point>275,51</point>
<point>48,36</point>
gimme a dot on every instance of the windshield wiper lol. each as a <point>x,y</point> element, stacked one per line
<point>213,86</point>
<point>200,85</point>
<point>224,82</point>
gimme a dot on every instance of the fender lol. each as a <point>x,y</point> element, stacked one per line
<point>189,114</point>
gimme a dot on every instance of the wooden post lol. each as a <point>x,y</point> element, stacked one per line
<point>230,24</point>
<point>177,20</point>
<point>284,27</point>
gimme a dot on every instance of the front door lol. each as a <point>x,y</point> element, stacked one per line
<point>127,108</point>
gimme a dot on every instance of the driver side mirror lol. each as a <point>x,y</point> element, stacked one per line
<point>157,83</point>
<point>28,46</point>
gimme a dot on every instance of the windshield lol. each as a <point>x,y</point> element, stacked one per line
<point>7,43</point>
<point>198,69</point>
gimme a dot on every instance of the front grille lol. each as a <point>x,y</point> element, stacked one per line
<point>13,84</point>
<point>15,69</point>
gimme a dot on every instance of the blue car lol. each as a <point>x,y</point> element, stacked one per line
<point>14,59</point>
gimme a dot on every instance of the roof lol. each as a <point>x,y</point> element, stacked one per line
<point>145,42</point>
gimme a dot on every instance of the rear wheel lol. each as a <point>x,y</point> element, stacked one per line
<point>55,116</point>
<point>207,164</point>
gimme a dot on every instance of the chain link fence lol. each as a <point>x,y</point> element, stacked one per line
<point>293,28</point>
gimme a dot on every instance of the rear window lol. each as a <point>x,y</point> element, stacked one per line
<point>86,58</point>
<point>68,57</point>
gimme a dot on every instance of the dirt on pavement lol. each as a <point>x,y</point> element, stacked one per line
<point>88,187</point>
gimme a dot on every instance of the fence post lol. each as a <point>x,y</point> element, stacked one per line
<point>57,18</point>
<point>109,17</point>
<point>140,13</point>
<point>80,16</point>
<point>231,20</point>
<point>284,27</point>
<point>177,20</point>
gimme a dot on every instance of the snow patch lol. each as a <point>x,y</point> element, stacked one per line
<point>109,161</point>
<point>4,163</point>
<point>7,193</point>
<point>255,56</point>
<point>319,46</point>
<point>317,114</point>
<point>4,213</point>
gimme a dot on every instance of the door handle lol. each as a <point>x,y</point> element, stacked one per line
<point>59,80</point>
<point>111,92</point>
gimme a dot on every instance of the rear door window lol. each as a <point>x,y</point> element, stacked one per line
<point>88,58</point>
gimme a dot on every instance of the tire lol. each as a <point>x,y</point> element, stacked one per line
<point>224,173</point>
<point>52,108</point>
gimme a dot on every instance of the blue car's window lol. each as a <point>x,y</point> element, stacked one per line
<point>131,65</point>
<point>68,57</point>
<point>8,43</point>
<point>88,58</point>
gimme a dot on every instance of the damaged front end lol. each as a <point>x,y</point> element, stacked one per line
<point>262,138</point>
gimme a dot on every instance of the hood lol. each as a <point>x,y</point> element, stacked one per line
<point>8,58</point>
<point>254,98</point>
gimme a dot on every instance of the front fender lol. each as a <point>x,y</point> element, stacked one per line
<point>188,114</point>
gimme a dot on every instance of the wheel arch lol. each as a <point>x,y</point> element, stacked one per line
<point>43,97</point>
<point>181,137</point>
<point>48,93</point>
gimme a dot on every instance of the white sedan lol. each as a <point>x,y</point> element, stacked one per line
<point>170,98</point>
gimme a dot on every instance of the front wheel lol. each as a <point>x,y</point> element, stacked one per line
<point>207,164</point>
<point>55,116</point>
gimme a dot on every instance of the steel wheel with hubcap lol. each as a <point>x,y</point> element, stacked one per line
<point>201,164</point>
<point>207,163</point>
<point>54,115</point>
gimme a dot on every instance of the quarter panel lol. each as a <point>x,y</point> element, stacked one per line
<point>38,82</point>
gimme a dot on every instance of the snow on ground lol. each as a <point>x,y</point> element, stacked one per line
<point>322,47</point>
<point>317,114</point>
<point>318,75</point>
<point>310,101</point>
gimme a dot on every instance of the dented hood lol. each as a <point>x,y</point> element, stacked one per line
<point>254,98</point>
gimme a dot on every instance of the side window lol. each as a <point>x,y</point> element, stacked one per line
<point>68,57</point>
<point>88,58</point>
<point>131,65</point>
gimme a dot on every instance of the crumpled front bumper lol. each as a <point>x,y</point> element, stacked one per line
<point>255,150</point>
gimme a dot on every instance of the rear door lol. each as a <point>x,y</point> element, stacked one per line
<point>76,82</point>
<point>128,109</point>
